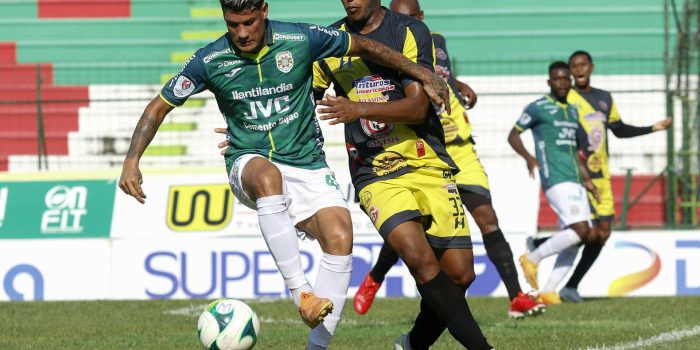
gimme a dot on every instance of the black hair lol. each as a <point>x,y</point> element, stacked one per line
<point>558,65</point>
<point>241,5</point>
<point>581,52</point>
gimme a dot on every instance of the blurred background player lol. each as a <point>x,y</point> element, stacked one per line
<point>275,160</point>
<point>472,183</point>
<point>401,170</point>
<point>554,124</point>
<point>597,113</point>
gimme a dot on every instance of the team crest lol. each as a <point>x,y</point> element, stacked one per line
<point>374,214</point>
<point>285,61</point>
<point>603,105</point>
<point>376,130</point>
<point>183,87</point>
<point>441,54</point>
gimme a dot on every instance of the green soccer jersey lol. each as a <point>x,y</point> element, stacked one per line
<point>265,98</point>
<point>554,127</point>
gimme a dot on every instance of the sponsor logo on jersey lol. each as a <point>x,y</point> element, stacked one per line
<point>387,163</point>
<point>229,63</point>
<point>199,207</point>
<point>525,119</point>
<point>371,84</point>
<point>451,188</point>
<point>261,91</point>
<point>285,61</point>
<point>232,72</point>
<point>440,54</point>
<point>271,125</point>
<point>603,105</point>
<point>594,163</point>
<point>210,57</point>
<point>331,32</point>
<point>183,87</point>
<point>376,130</point>
<point>596,137</point>
<point>376,99</point>
<point>420,149</point>
<point>383,142</point>
<point>289,37</point>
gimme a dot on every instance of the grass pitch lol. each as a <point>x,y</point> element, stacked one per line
<point>619,323</point>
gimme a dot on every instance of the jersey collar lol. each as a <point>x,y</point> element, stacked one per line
<point>555,101</point>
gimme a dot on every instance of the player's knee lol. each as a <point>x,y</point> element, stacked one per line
<point>338,242</point>
<point>487,223</point>
<point>584,232</point>
<point>417,260</point>
<point>265,181</point>
<point>463,278</point>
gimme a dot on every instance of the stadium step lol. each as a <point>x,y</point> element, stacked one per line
<point>25,74</point>
<point>84,8</point>
<point>25,142</point>
<point>70,95</point>
<point>19,119</point>
<point>8,52</point>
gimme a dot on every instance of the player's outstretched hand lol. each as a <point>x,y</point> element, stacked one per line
<point>532,165</point>
<point>436,88</point>
<point>339,110</point>
<point>223,145</point>
<point>131,180</point>
<point>469,96</point>
<point>590,187</point>
<point>662,124</point>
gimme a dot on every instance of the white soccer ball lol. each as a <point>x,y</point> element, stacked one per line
<point>228,324</point>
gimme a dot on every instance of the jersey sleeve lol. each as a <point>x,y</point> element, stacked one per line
<point>191,80</point>
<point>614,114</point>
<point>321,79</point>
<point>326,42</point>
<point>418,47</point>
<point>442,57</point>
<point>528,119</point>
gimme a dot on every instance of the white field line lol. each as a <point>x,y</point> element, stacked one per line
<point>662,338</point>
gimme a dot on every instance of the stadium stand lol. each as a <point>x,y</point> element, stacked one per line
<point>105,59</point>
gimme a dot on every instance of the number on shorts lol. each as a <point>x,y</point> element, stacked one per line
<point>330,181</point>
<point>458,212</point>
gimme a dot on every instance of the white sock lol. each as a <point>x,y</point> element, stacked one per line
<point>332,282</point>
<point>555,244</point>
<point>281,239</point>
<point>565,260</point>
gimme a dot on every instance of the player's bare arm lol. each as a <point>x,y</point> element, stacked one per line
<point>434,85</point>
<point>517,144</point>
<point>131,179</point>
<point>409,110</point>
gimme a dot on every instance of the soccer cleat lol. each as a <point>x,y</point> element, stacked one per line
<point>522,305</point>
<point>570,295</point>
<point>529,270</point>
<point>365,294</point>
<point>402,343</point>
<point>550,298</point>
<point>313,309</point>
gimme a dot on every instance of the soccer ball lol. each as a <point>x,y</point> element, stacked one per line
<point>228,324</point>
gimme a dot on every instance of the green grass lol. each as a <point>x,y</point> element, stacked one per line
<point>171,324</point>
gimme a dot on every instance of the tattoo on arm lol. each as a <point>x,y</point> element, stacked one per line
<point>143,135</point>
<point>386,56</point>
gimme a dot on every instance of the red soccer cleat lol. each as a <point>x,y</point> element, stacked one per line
<point>365,294</point>
<point>522,305</point>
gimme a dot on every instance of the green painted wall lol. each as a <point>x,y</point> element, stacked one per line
<point>485,37</point>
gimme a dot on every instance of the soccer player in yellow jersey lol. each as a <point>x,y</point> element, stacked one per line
<point>597,113</point>
<point>472,183</point>
<point>401,170</point>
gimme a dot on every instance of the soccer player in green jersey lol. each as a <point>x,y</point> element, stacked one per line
<point>472,183</point>
<point>260,72</point>
<point>401,171</point>
<point>597,113</point>
<point>554,124</point>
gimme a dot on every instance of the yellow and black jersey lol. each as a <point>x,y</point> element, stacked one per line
<point>597,113</point>
<point>377,150</point>
<point>458,129</point>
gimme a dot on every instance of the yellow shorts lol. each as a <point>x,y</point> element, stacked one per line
<point>605,208</point>
<point>426,195</point>
<point>472,176</point>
